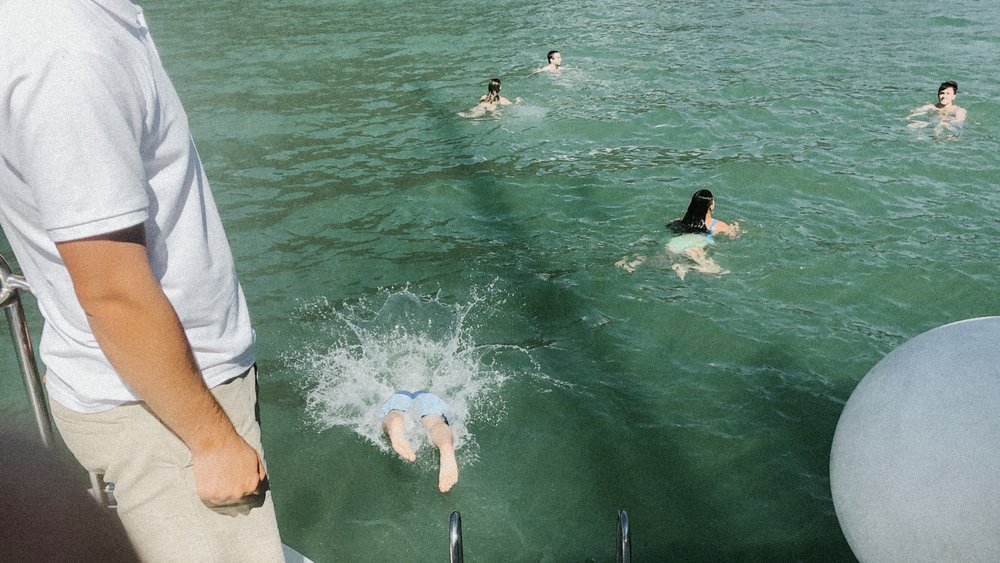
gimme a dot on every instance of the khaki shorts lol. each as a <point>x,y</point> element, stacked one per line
<point>154,481</point>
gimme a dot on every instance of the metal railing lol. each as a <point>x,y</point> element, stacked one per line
<point>624,544</point>
<point>455,537</point>
<point>10,301</point>
<point>623,552</point>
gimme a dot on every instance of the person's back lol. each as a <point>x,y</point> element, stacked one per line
<point>489,101</point>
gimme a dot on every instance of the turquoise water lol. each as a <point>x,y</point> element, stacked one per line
<point>380,237</point>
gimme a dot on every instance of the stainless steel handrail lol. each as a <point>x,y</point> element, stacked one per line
<point>10,301</point>
<point>455,537</point>
<point>624,539</point>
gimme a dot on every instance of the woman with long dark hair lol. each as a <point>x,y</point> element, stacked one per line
<point>695,232</point>
<point>698,218</point>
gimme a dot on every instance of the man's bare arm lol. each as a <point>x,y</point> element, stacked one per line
<point>141,335</point>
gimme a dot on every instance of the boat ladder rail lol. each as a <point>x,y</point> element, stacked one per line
<point>624,544</point>
<point>11,285</point>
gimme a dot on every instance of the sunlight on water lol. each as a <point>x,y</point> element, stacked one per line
<point>402,341</point>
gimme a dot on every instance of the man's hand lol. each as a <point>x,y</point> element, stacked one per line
<point>228,473</point>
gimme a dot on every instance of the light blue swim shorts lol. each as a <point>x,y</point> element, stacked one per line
<point>427,403</point>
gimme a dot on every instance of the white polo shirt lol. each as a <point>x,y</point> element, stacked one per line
<point>93,139</point>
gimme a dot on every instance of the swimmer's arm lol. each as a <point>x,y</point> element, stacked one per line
<point>922,110</point>
<point>723,228</point>
<point>959,115</point>
<point>504,101</point>
<point>476,111</point>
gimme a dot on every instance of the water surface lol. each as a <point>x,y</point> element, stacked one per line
<point>353,192</point>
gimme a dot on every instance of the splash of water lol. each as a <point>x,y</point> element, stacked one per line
<point>407,342</point>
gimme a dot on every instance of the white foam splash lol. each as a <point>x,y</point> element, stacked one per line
<point>407,342</point>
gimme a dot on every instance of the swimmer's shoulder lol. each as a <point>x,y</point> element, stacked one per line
<point>723,228</point>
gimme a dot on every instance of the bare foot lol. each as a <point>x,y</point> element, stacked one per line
<point>680,269</point>
<point>395,425</point>
<point>630,265</point>
<point>448,473</point>
<point>442,438</point>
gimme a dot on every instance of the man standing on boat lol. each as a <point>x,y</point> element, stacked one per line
<point>147,341</point>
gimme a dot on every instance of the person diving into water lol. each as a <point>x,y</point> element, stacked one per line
<point>431,410</point>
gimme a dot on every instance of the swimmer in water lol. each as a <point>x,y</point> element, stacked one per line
<point>491,101</point>
<point>696,230</point>
<point>431,410</point>
<point>555,61</point>
<point>698,218</point>
<point>948,113</point>
<point>493,94</point>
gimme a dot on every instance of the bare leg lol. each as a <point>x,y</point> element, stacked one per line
<point>441,436</point>
<point>703,263</point>
<point>681,270</point>
<point>394,425</point>
<point>630,265</point>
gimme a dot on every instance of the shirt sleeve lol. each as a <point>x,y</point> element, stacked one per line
<point>77,118</point>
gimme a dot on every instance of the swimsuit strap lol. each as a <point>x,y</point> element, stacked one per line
<point>711,228</point>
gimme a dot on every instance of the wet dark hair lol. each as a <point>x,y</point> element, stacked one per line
<point>549,56</point>
<point>694,220</point>
<point>493,91</point>
<point>948,84</point>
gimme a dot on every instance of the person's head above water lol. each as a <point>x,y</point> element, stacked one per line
<point>492,91</point>
<point>554,60</point>
<point>699,219</point>
<point>702,202</point>
<point>944,96</point>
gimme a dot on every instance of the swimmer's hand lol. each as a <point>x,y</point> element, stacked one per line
<point>723,228</point>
